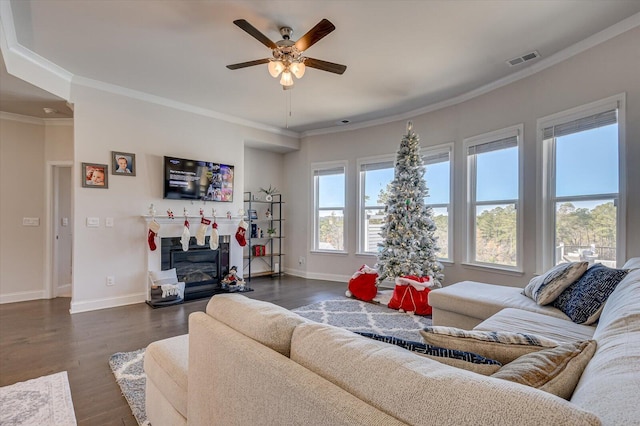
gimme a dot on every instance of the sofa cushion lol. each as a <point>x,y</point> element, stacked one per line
<point>609,385</point>
<point>480,300</point>
<point>166,365</point>
<point>264,322</point>
<point>545,288</point>
<point>554,370</point>
<point>466,360</point>
<point>420,391</point>
<point>583,300</point>
<point>501,346</point>
<point>519,321</point>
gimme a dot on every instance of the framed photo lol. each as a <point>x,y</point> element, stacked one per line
<point>123,163</point>
<point>95,175</point>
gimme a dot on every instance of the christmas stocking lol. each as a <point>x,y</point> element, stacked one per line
<point>154,227</point>
<point>214,238</point>
<point>242,229</point>
<point>186,236</point>
<point>202,231</point>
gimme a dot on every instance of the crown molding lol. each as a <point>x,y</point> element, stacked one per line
<point>170,103</point>
<point>607,34</point>
<point>21,118</point>
<point>36,120</point>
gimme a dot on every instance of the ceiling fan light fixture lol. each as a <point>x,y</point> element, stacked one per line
<point>298,69</point>
<point>275,68</point>
<point>286,79</point>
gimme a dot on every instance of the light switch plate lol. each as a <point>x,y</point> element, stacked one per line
<point>108,222</point>
<point>65,221</point>
<point>30,221</point>
<point>93,222</point>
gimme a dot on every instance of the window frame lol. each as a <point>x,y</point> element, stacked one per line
<point>434,150</point>
<point>546,174</point>
<point>326,166</point>
<point>470,171</point>
<point>362,209</point>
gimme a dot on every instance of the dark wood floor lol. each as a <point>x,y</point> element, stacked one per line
<point>41,337</point>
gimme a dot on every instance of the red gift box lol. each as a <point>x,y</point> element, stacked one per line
<point>259,250</point>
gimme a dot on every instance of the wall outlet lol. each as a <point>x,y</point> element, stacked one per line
<point>301,260</point>
<point>111,280</point>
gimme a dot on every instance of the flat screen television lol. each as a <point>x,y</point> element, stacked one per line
<point>197,180</point>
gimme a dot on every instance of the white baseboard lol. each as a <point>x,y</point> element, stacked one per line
<point>22,296</point>
<point>95,304</point>
<point>64,291</point>
<point>318,276</point>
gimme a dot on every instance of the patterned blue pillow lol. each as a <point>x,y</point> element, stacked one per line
<point>583,300</point>
<point>431,350</point>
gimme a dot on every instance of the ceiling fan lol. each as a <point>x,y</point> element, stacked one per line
<point>287,55</point>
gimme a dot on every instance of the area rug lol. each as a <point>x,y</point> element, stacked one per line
<point>346,313</point>
<point>356,315</point>
<point>129,372</point>
<point>42,401</point>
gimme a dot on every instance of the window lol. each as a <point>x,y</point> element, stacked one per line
<point>581,198</point>
<point>438,177</point>
<point>493,199</point>
<point>375,177</point>
<point>329,206</point>
<point>376,174</point>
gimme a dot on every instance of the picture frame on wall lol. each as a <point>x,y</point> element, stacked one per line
<point>123,163</point>
<point>95,175</point>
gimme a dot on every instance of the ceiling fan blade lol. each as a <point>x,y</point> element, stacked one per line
<point>315,34</point>
<point>253,32</point>
<point>325,66</point>
<point>248,64</point>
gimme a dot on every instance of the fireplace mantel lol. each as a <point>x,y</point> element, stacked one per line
<point>174,227</point>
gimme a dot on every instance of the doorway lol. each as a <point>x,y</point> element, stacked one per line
<point>62,231</point>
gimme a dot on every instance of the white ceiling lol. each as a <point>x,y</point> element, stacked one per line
<point>401,55</point>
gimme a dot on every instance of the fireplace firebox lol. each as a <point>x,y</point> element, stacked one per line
<point>200,268</point>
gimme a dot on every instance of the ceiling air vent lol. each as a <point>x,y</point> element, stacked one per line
<point>524,58</point>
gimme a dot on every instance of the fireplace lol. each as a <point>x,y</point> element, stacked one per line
<point>200,268</point>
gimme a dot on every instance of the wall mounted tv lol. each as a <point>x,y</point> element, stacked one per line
<point>197,180</point>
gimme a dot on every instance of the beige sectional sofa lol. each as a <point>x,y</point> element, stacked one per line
<point>247,362</point>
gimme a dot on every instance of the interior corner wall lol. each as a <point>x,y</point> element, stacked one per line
<point>21,195</point>
<point>106,122</point>
<point>263,169</point>
<point>597,73</point>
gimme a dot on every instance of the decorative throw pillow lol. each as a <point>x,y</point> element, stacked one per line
<point>584,300</point>
<point>465,360</point>
<point>163,277</point>
<point>545,288</point>
<point>499,345</point>
<point>555,370</point>
<point>633,263</point>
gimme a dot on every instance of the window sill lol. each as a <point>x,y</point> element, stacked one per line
<point>338,252</point>
<point>495,269</point>
<point>364,253</point>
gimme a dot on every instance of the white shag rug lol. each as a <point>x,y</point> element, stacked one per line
<point>42,401</point>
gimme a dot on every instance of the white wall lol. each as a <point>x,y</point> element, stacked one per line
<point>26,145</point>
<point>264,169</point>
<point>605,70</point>
<point>106,122</point>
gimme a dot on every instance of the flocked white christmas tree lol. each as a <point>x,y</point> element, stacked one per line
<point>409,243</point>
